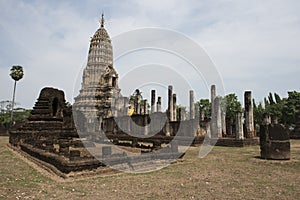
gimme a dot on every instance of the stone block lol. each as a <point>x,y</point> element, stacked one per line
<point>274,142</point>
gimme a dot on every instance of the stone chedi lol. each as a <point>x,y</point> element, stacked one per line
<point>49,134</point>
<point>99,84</point>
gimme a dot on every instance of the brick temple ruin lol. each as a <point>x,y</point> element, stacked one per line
<point>104,128</point>
<point>49,137</point>
<point>70,139</point>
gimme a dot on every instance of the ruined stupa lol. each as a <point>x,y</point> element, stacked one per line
<point>99,81</point>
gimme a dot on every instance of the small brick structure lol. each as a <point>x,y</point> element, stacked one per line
<point>49,133</point>
<point>274,142</point>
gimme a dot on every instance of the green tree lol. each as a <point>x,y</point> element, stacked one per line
<point>258,112</point>
<point>16,73</point>
<point>232,105</point>
<point>5,106</point>
<point>205,106</point>
<point>20,114</point>
<point>277,98</point>
<point>274,108</point>
<point>284,109</point>
<point>290,108</point>
<point>271,100</point>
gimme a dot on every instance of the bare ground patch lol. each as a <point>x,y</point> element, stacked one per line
<point>226,173</point>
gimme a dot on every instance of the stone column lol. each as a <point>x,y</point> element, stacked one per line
<point>181,114</point>
<point>250,133</point>
<point>223,114</point>
<point>213,121</point>
<point>135,107</point>
<point>212,94</point>
<point>158,105</point>
<point>170,103</point>
<point>208,130</point>
<point>146,107</point>
<point>138,104</point>
<point>141,109</point>
<point>218,117</point>
<point>152,101</point>
<point>174,108</point>
<point>192,105</point>
<point>146,130</point>
<point>239,134</point>
<point>201,115</point>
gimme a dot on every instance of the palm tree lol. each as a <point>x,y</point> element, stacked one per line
<point>16,73</point>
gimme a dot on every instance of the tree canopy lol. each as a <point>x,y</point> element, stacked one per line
<point>16,72</point>
<point>284,109</point>
<point>205,106</point>
<point>232,105</point>
<point>20,114</point>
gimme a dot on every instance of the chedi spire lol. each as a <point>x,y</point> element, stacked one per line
<point>102,21</point>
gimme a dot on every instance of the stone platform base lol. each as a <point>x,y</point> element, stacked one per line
<point>65,168</point>
<point>232,142</point>
<point>158,139</point>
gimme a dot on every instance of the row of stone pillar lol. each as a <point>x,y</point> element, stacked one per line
<point>172,110</point>
<point>218,117</point>
<point>138,108</point>
<point>249,119</point>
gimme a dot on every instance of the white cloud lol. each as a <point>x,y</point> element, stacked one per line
<point>254,44</point>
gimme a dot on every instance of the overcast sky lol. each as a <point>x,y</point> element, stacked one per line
<point>255,45</point>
